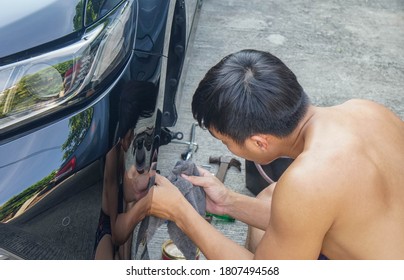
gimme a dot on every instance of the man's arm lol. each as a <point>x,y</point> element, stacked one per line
<point>167,202</point>
<point>249,210</point>
<point>302,213</point>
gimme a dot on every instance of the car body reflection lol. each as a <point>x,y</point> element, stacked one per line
<point>127,169</point>
<point>28,198</point>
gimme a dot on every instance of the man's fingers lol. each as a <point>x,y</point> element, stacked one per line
<point>203,172</point>
<point>193,179</point>
<point>202,181</point>
<point>160,180</point>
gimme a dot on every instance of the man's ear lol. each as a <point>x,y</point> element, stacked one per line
<point>260,141</point>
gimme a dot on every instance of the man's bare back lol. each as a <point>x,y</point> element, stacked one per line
<point>358,147</point>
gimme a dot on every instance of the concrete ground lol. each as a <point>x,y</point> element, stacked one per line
<point>338,50</point>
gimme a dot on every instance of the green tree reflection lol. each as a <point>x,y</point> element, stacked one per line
<point>32,89</point>
<point>8,209</point>
<point>78,125</point>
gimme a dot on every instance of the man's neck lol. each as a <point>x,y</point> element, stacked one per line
<point>296,141</point>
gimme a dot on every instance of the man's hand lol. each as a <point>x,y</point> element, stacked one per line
<point>166,200</point>
<point>217,195</point>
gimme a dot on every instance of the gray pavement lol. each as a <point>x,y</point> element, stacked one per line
<point>338,50</point>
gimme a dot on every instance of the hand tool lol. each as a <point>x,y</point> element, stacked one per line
<point>225,162</point>
<point>192,145</point>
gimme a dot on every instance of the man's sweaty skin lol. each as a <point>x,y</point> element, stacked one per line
<point>342,196</point>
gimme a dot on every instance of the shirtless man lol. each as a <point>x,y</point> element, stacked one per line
<point>343,195</point>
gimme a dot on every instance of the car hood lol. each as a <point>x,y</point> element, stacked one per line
<point>27,24</point>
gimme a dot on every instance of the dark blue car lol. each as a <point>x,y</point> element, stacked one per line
<point>78,78</point>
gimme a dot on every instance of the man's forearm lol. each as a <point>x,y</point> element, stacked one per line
<point>213,244</point>
<point>250,210</point>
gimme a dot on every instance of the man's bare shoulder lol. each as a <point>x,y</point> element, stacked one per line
<point>363,102</point>
<point>304,204</point>
<point>311,181</point>
<point>311,172</point>
<point>364,105</point>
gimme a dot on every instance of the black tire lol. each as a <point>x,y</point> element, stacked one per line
<point>255,182</point>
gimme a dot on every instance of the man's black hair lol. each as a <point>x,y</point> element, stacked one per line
<point>138,99</point>
<point>249,92</point>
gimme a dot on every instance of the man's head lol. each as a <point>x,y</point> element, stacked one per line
<point>138,100</point>
<point>249,92</point>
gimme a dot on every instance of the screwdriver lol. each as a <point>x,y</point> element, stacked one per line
<point>221,217</point>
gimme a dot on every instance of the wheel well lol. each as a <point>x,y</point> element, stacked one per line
<point>175,62</point>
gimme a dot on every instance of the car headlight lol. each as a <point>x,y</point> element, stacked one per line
<point>54,80</point>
